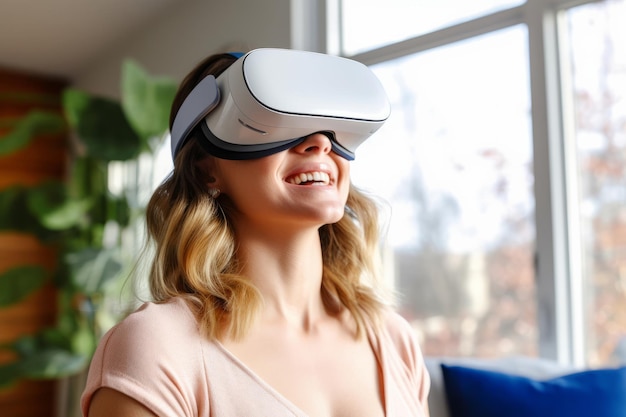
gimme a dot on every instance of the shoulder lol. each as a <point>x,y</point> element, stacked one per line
<point>153,326</point>
<point>152,356</point>
<point>402,356</point>
<point>399,332</point>
<point>152,316</point>
<point>163,331</point>
<point>398,339</point>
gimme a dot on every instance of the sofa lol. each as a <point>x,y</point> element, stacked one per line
<point>523,386</point>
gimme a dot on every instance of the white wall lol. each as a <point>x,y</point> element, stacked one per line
<point>193,29</point>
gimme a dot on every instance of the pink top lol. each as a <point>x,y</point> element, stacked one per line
<point>158,356</point>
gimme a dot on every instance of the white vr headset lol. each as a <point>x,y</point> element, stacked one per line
<point>272,99</point>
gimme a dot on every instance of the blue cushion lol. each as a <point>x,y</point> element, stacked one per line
<point>480,393</point>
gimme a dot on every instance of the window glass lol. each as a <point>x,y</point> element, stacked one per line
<point>595,40</point>
<point>368,24</point>
<point>453,165</point>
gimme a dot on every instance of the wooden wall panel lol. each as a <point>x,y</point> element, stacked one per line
<point>44,159</point>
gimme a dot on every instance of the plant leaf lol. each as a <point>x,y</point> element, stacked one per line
<point>74,104</point>
<point>83,341</point>
<point>34,123</point>
<point>10,373</point>
<point>25,345</point>
<point>53,208</point>
<point>48,338</point>
<point>146,100</point>
<point>101,126</point>
<point>19,282</point>
<point>42,363</point>
<point>15,214</point>
<point>119,210</point>
<point>93,268</point>
<point>106,133</point>
<point>51,364</point>
<point>88,177</point>
<point>11,204</point>
<point>56,337</point>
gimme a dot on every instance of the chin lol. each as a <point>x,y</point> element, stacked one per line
<point>335,215</point>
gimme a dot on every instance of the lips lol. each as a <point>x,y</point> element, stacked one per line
<point>309,178</point>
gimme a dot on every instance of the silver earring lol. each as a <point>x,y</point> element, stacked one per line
<point>214,192</point>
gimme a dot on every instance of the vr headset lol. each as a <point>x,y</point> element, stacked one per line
<point>270,100</point>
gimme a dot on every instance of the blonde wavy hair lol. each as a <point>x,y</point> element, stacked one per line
<point>196,252</point>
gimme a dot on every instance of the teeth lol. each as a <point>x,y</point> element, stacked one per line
<point>316,177</point>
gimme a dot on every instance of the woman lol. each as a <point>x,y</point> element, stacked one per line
<point>264,297</point>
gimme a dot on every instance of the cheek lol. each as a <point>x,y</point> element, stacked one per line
<point>344,185</point>
<point>246,177</point>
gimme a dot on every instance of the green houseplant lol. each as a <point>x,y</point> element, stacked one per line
<point>81,218</point>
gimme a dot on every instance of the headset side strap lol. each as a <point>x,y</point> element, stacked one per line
<point>202,99</point>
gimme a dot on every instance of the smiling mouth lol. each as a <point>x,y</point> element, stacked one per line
<point>310,178</point>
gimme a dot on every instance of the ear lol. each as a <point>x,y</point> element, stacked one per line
<point>208,171</point>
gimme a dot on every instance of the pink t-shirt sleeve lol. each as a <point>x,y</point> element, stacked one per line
<point>406,364</point>
<point>154,357</point>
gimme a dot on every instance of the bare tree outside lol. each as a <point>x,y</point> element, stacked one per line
<point>596,41</point>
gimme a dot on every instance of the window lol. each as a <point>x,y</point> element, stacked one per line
<point>460,190</point>
<point>502,168</point>
<point>368,24</point>
<point>594,74</point>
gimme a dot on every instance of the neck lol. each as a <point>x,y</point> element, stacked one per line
<point>286,267</point>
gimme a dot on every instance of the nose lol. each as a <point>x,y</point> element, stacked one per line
<point>315,143</point>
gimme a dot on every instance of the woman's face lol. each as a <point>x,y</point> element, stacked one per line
<point>305,185</point>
